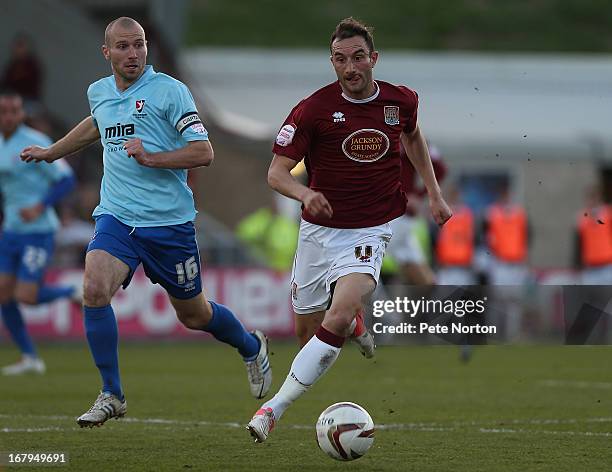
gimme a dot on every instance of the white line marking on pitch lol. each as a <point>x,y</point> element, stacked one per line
<point>32,430</point>
<point>575,384</point>
<point>418,427</point>
<point>540,431</point>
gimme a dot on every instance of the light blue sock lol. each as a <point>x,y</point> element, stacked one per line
<point>228,329</point>
<point>49,293</point>
<point>11,314</point>
<point>103,339</point>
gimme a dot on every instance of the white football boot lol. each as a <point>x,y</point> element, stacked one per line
<point>261,424</point>
<point>105,407</point>
<point>259,371</point>
<point>27,365</point>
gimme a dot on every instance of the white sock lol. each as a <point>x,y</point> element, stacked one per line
<point>315,358</point>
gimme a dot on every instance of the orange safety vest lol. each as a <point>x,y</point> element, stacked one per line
<point>596,237</point>
<point>455,245</point>
<point>507,233</point>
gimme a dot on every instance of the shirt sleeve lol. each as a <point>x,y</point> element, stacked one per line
<point>90,99</point>
<point>182,113</point>
<point>412,104</point>
<point>294,138</point>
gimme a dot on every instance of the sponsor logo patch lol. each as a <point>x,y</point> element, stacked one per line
<point>285,135</point>
<point>198,128</point>
<point>392,115</point>
<point>365,145</point>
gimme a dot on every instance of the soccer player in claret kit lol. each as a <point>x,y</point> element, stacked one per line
<point>348,132</point>
<point>151,133</point>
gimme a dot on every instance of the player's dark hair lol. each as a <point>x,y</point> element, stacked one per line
<point>350,27</point>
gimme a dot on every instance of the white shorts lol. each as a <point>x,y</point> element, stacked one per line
<point>405,247</point>
<point>325,254</point>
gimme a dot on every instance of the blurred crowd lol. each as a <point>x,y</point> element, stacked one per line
<point>486,242</point>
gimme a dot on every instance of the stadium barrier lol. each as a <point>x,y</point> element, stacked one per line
<point>259,297</point>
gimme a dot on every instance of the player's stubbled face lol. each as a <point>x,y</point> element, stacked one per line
<point>11,114</point>
<point>353,63</point>
<point>128,53</point>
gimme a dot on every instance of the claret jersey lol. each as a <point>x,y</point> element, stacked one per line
<point>351,151</point>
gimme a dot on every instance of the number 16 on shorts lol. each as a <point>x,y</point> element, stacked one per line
<point>187,271</point>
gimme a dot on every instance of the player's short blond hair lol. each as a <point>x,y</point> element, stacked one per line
<point>123,22</point>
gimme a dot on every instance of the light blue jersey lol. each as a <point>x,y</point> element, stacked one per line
<point>24,185</point>
<point>161,112</point>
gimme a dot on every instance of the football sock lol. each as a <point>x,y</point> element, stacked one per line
<point>225,327</point>
<point>102,336</point>
<point>49,293</point>
<point>315,358</point>
<point>11,314</point>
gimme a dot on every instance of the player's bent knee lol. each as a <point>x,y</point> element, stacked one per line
<point>95,293</point>
<point>341,316</point>
<point>27,295</point>
<point>6,295</point>
<point>7,290</point>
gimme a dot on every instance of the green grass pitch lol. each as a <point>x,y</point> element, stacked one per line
<point>509,409</point>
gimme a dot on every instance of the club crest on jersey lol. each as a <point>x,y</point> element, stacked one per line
<point>140,105</point>
<point>392,115</point>
<point>363,253</point>
<point>366,145</point>
<point>285,135</point>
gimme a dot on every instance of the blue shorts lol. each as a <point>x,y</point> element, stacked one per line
<point>169,254</point>
<point>26,256</point>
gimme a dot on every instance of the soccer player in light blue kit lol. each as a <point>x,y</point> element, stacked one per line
<point>26,239</point>
<point>151,133</point>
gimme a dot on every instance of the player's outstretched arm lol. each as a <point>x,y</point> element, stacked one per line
<point>81,136</point>
<point>416,150</point>
<point>195,154</point>
<point>281,180</point>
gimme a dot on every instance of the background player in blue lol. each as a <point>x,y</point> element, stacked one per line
<point>26,240</point>
<point>150,130</point>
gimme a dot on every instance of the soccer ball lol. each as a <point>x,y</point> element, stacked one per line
<point>345,431</point>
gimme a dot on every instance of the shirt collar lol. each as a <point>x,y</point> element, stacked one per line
<point>363,100</point>
<point>147,73</point>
